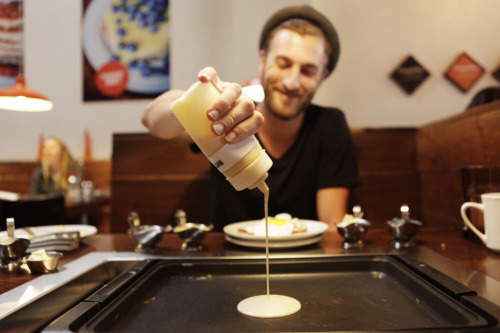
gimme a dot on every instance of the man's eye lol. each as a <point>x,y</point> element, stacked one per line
<point>282,63</point>
<point>309,71</point>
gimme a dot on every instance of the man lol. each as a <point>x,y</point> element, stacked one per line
<point>314,164</point>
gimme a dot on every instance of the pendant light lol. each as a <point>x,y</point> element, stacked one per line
<point>19,97</point>
<point>253,88</point>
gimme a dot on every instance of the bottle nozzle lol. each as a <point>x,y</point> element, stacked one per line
<point>263,187</point>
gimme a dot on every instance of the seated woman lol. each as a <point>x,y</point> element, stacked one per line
<point>56,165</point>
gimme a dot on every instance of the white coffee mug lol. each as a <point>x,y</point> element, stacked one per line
<point>490,207</point>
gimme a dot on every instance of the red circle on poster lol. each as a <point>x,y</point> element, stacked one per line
<point>111,79</point>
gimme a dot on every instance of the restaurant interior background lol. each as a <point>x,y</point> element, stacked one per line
<point>376,36</point>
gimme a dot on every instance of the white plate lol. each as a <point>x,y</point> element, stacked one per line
<point>85,230</point>
<point>55,247</point>
<point>314,228</point>
<point>98,54</point>
<point>275,245</point>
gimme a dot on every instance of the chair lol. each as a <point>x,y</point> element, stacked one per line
<point>33,210</point>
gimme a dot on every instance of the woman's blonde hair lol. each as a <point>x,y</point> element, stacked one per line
<point>66,164</point>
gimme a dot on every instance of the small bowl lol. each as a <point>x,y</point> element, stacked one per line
<point>353,231</point>
<point>11,266</point>
<point>44,264</point>
<point>404,230</point>
<point>192,234</point>
<point>13,248</point>
<point>147,236</point>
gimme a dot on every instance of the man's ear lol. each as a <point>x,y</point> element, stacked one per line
<point>326,72</point>
<point>262,61</point>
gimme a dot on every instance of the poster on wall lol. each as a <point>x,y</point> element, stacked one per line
<point>125,46</point>
<point>11,41</point>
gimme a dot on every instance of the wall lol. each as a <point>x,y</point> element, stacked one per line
<point>375,35</point>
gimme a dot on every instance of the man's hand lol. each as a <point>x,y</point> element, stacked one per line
<point>233,114</point>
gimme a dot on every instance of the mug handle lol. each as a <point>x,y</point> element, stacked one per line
<point>463,211</point>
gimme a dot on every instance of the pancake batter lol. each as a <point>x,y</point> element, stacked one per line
<point>268,306</point>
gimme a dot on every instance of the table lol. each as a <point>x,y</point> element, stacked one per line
<point>441,248</point>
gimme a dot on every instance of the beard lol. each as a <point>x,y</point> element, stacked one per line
<point>285,111</point>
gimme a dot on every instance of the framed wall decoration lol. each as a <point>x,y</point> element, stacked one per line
<point>126,48</point>
<point>409,74</point>
<point>11,41</point>
<point>464,72</point>
<point>496,73</point>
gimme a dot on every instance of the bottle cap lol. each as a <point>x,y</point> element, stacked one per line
<point>253,174</point>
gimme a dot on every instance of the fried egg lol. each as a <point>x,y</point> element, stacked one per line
<point>282,224</point>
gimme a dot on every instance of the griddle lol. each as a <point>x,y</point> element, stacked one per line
<point>343,293</point>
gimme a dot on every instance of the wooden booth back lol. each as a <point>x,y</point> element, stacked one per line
<point>156,177</point>
<point>16,176</point>
<point>417,166</point>
<point>468,138</point>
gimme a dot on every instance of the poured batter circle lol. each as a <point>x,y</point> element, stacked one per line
<point>269,306</point>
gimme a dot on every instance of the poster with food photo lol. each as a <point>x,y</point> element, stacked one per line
<point>11,41</point>
<point>125,47</point>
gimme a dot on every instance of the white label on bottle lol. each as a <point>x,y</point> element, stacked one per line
<point>226,157</point>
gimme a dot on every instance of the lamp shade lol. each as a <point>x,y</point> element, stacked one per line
<point>253,88</point>
<point>20,98</point>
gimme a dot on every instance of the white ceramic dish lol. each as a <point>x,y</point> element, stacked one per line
<point>30,232</point>
<point>314,228</point>
<point>273,244</point>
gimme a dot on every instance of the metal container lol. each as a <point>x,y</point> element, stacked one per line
<point>46,264</point>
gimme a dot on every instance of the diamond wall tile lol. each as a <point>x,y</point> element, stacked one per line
<point>496,73</point>
<point>464,72</point>
<point>409,75</point>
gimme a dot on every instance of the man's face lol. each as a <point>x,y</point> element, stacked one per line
<point>292,69</point>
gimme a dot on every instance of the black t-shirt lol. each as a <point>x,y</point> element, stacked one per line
<point>322,156</point>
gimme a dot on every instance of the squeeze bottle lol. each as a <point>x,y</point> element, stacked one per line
<point>244,164</point>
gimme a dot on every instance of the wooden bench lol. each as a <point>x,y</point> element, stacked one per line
<point>156,177</point>
<point>444,147</point>
<point>416,166</point>
<point>16,176</point>
<point>387,162</point>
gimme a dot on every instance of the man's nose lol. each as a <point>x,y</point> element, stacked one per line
<point>292,79</point>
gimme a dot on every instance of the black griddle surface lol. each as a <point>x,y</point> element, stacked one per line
<point>366,293</point>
